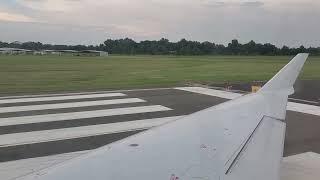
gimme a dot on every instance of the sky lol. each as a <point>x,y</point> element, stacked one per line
<point>280,22</point>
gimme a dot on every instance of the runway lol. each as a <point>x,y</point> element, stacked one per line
<point>41,130</point>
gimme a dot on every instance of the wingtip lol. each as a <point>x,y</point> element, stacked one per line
<point>283,81</point>
<point>304,55</point>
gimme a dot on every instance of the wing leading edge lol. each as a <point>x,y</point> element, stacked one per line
<point>241,139</point>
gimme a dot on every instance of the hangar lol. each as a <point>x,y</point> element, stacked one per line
<point>15,51</point>
<point>11,51</point>
<point>94,53</point>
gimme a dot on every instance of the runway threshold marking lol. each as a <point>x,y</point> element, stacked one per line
<point>211,92</point>
<point>80,115</point>
<point>78,132</point>
<point>304,108</point>
<point>78,93</point>
<point>298,107</point>
<point>68,105</point>
<point>56,98</point>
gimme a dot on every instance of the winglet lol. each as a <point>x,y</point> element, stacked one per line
<point>283,81</point>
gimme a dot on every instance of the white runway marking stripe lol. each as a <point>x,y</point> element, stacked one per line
<point>83,131</point>
<point>80,115</point>
<point>304,108</point>
<point>80,93</point>
<point>298,107</point>
<point>55,98</point>
<point>68,105</point>
<point>211,92</point>
<point>306,101</point>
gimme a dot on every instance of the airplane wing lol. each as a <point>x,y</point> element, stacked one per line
<point>242,139</point>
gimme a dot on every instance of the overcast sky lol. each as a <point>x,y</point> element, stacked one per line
<point>290,22</point>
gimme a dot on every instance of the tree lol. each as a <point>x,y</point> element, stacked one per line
<point>234,47</point>
<point>164,46</point>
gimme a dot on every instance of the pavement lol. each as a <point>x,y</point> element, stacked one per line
<point>38,131</point>
<point>306,91</point>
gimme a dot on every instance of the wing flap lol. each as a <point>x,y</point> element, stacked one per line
<point>263,149</point>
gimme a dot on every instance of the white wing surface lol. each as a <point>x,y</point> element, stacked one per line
<point>241,139</point>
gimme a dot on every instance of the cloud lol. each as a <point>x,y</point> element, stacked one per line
<point>12,17</point>
<point>275,21</point>
<point>50,5</point>
<point>134,31</point>
<point>252,4</point>
<point>213,3</point>
<point>226,3</point>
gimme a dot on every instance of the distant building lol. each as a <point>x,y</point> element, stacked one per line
<point>11,51</point>
<point>80,53</point>
<point>47,52</point>
<point>94,53</point>
<point>52,52</point>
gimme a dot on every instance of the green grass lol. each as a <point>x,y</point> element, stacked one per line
<point>35,74</point>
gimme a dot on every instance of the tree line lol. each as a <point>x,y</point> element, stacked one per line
<point>165,47</point>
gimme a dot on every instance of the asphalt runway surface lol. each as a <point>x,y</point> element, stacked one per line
<point>35,127</point>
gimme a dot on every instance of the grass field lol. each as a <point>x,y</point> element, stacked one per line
<point>36,74</point>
